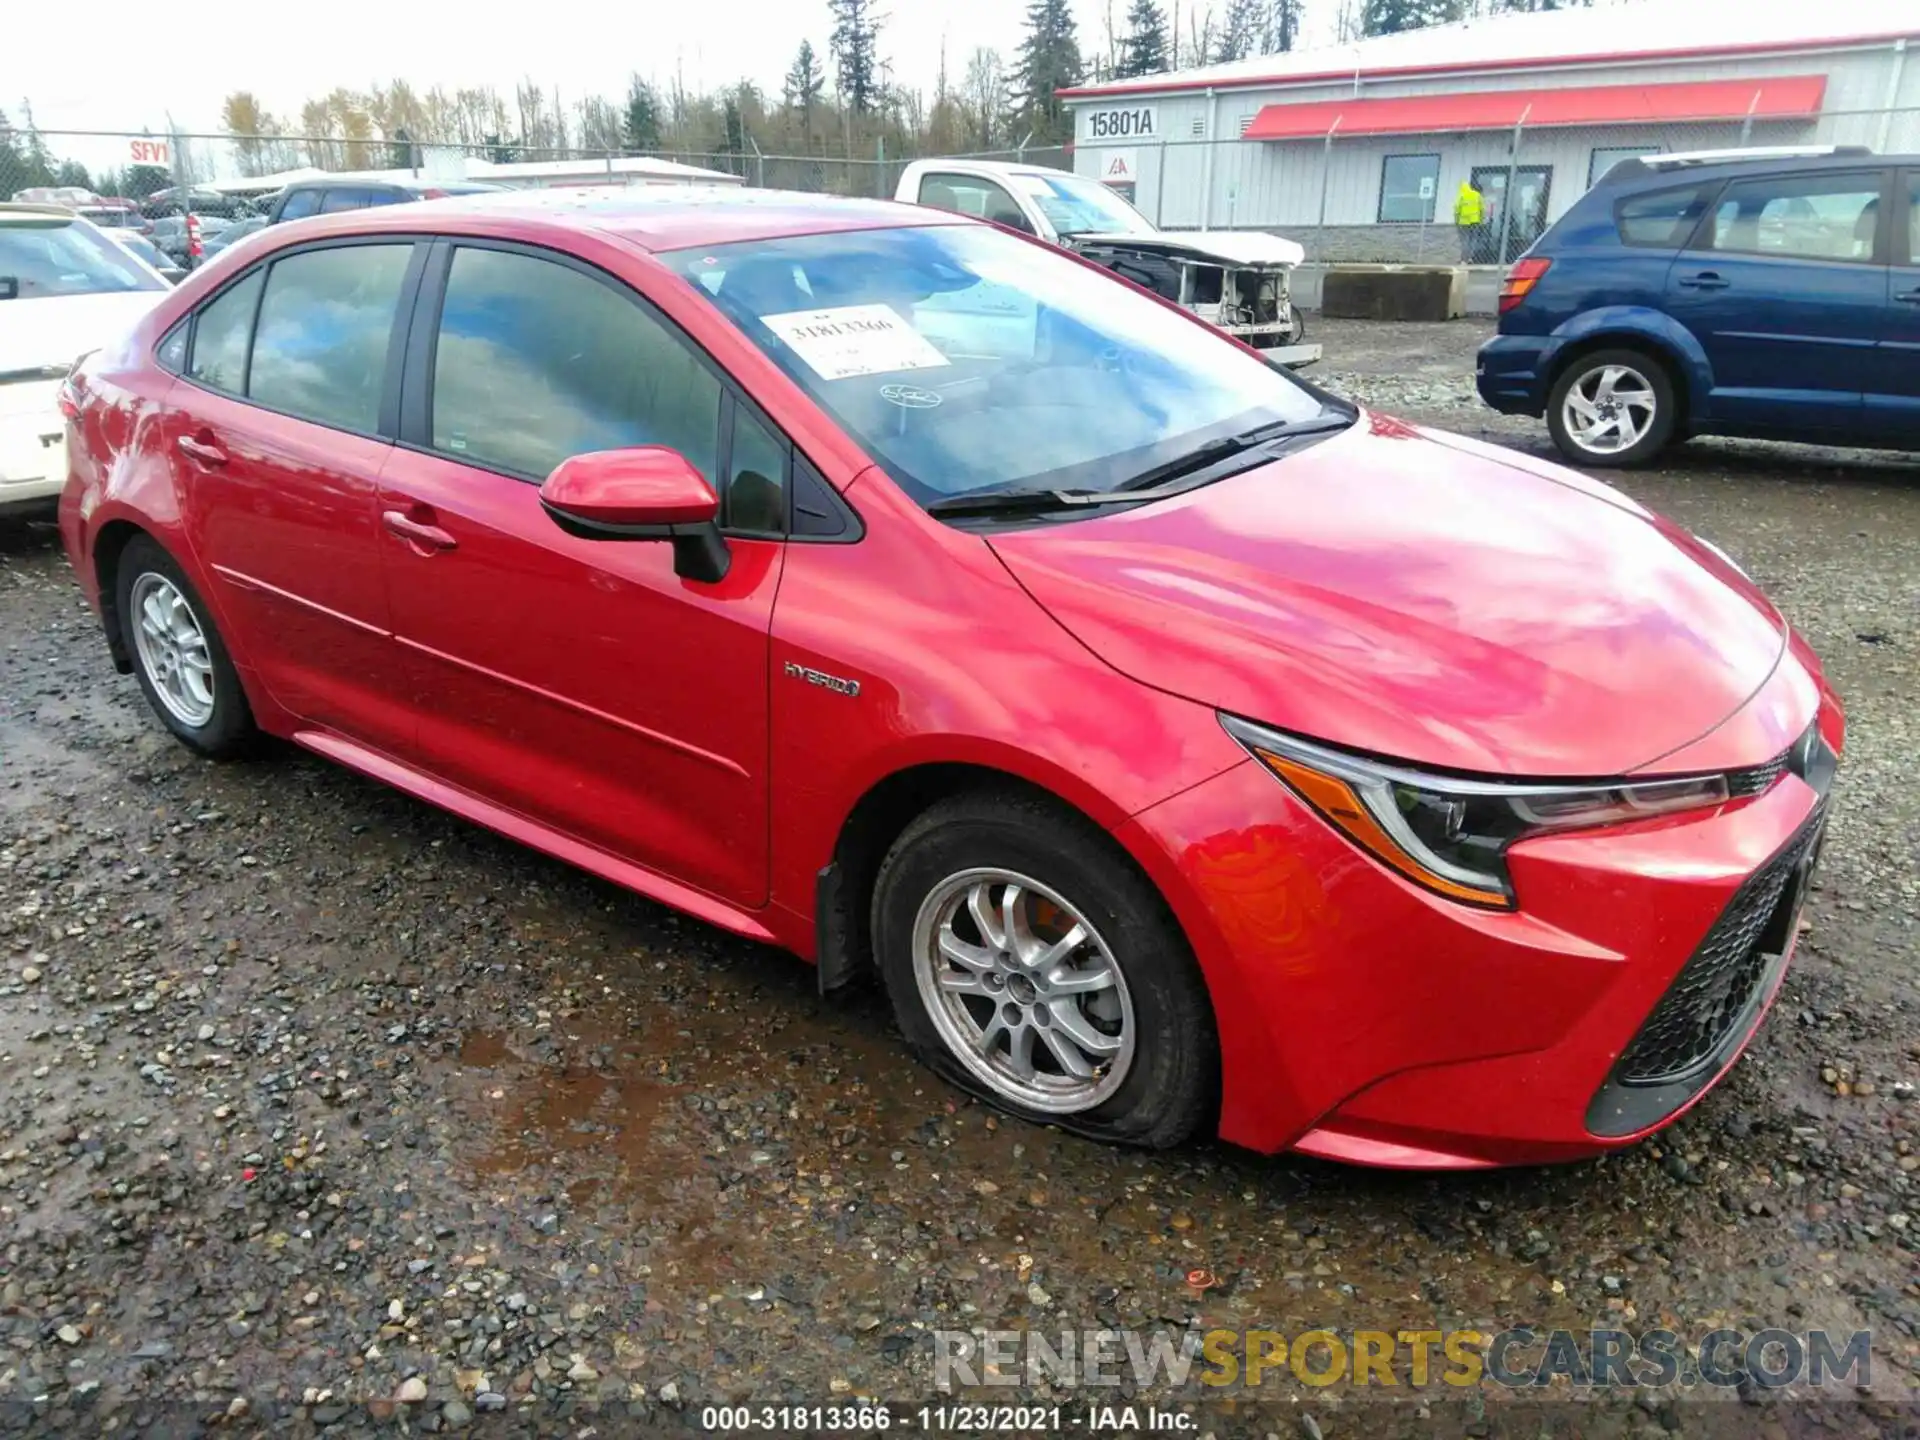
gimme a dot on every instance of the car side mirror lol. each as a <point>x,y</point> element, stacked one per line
<point>649,492</point>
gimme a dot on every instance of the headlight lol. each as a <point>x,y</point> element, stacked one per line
<point>1448,834</point>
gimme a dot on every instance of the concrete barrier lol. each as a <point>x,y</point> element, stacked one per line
<point>1394,292</point>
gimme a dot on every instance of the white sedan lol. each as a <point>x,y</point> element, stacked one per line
<point>65,289</point>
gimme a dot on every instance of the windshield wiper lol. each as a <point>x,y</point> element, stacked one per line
<point>1018,501</point>
<point>1214,451</point>
<point>1158,483</point>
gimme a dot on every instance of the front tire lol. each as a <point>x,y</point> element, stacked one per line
<point>178,656</point>
<point>1030,964</point>
<point>1612,409</point>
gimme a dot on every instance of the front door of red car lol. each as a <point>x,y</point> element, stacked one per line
<point>581,683</point>
<point>274,434</point>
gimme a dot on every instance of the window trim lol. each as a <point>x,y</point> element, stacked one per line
<point>1699,240</point>
<point>414,428</point>
<point>387,421</point>
<point>1905,250</point>
<point>1433,215</point>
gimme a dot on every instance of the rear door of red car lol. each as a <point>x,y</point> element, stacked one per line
<point>582,683</point>
<point>278,433</point>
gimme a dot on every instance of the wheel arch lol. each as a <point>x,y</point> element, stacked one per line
<point>109,545</point>
<point>1652,333</point>
<point>844,886</point>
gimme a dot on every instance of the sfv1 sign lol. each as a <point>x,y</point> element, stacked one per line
<point>1124,122</point>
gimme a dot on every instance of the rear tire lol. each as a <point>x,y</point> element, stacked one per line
<point>178,656</point>
<point>1613,408</point>
<point>1111,1036</point>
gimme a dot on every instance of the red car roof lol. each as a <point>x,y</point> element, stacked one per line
<point>656,217</point>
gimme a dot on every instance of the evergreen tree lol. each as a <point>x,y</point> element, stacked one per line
<point>856,53</point>
<point>1391,17</point>
<point>640,125</point>
<point>1284,21</point>
<point>1143,50</point>
<point>1243,33</point>
<point>805,84</point>
<point>1497,7</point>
<point>1049,61</point>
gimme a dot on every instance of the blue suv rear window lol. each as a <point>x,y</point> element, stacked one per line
<point>1661,219</point>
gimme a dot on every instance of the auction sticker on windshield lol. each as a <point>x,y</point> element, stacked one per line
<point>854,340</point>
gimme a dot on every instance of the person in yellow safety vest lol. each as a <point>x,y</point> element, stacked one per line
<point>1469,215</point>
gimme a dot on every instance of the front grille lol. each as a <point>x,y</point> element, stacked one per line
<point>1756,779</point>
<point>1717,988</point>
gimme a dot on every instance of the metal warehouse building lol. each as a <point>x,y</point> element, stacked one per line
<point>1359,150</point>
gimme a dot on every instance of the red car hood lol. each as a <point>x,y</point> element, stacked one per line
<point>1421,597</point>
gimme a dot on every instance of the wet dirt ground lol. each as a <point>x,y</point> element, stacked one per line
<point>321,1108</point>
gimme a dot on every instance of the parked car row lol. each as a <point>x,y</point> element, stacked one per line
<point>1180,747</point>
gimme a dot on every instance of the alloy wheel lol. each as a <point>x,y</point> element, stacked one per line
<point>173,650</point>
<point>1024,991</point>
<point>1609,409</point>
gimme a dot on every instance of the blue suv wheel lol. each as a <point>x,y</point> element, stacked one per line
<point>1612,408</point>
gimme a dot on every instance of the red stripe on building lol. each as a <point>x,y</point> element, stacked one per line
<point>1775,98</point>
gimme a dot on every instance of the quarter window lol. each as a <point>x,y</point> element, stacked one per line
<point>756,495</point>
<point>220,334</point>
<point>1662,220</point>
<point>320,351</point>
<point>1804,217</point>
<point>536,361</point>
<point>1409,187</point>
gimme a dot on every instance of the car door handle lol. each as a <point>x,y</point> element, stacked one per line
<point>417,533</point>
<point>201,447</point>
<point>1705,280</point>
<point>1908,297</point>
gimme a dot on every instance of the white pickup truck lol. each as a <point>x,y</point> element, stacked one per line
<point>1239,280</point>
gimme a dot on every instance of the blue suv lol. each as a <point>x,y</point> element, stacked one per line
<point>1776,298</point>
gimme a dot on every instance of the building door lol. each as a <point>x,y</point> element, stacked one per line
<point>1523,221</point>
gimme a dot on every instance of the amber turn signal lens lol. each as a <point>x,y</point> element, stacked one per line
<point>1334,799</point>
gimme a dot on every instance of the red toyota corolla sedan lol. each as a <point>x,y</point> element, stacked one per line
<point>1180,746</point>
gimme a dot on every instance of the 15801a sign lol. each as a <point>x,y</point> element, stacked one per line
<point>1134,122</point>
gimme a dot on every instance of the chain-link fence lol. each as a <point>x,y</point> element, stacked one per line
<point>1346,198</point>
<point>218,174</point>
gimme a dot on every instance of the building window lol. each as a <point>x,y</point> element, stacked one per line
<point>1409,186</point>
<point>1608,156</point>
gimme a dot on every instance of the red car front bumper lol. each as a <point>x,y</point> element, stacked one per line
<point>1367,1020</point>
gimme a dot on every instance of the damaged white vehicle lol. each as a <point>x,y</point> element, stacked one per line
<point>1239,280</point>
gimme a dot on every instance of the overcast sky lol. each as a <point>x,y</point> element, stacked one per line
<point>112,64</point>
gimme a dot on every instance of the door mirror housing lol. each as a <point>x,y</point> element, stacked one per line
<point>649,492</point>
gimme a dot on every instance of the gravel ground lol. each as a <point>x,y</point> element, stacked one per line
<point>319,1107</point>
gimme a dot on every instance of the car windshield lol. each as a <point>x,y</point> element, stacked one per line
<point>1074,206</point>
<point>65,257</point>
<point>966,359</point>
